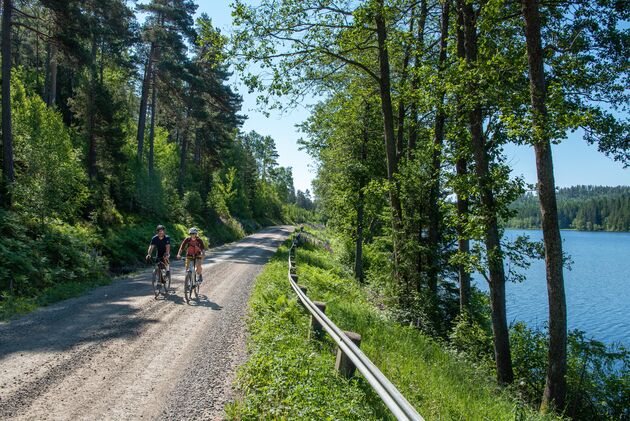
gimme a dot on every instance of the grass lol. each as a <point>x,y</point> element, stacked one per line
<point>289,376</point>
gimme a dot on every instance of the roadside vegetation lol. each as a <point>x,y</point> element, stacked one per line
<point>289,376</point>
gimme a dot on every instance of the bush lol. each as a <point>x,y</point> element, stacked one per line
<point>598,376</point>
<point>192,203</point>
<point>294,214</point>
<point>37,258</point>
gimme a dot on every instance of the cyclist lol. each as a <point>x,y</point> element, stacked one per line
<point>162,243</point>
<point>194,248</point>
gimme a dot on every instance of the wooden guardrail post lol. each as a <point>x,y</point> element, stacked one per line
<point>302,288</point>
<point>317,330</point>
<point>344,365</point>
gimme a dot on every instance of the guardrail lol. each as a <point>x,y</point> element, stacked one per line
<point>391,397</point>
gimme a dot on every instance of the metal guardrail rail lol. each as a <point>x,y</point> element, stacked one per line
<point>395,401</point>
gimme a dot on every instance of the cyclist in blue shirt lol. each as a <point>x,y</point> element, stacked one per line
<point>162,243</point>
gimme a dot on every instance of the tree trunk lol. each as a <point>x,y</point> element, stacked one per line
<point>44,91</point>
<point>390,139</point>
<point>463,243</point>
<point>17,41</point>
<point>413,208</point>
<point>142,116</point>
<point>358,259</point>
<point>400,133</point>
<point>37,61</point>
<point>492,238</point>
<point>7,134</point>
<point>413,125</point>
<point>52,94</point>
<point>461,168</point>
<point>153,116</point>
<point>436,161</point>
<point>555,386</point>
<point>91,111</point>
<point>197,154</point>
<point>182,163</point>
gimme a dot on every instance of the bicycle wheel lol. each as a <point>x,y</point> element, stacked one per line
<point>196,288</point>
<point>167,284</point>
<point>188,286</point>
<point>156,282</point>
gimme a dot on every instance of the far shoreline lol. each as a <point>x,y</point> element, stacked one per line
<point>570,229</point>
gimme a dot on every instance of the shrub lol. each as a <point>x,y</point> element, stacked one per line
<point>192,203</point>
<point>37,257</point>
<point>598,376</point>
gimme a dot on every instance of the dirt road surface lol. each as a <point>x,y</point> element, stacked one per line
<point>118,354</point>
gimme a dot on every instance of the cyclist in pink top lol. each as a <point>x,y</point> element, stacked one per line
<point>195,248</point>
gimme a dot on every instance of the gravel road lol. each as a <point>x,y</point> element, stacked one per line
<point>117,353</point>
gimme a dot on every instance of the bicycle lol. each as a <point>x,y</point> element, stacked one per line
<point>161,282</point>
<point>190,282</point>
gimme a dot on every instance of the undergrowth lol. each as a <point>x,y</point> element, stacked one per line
<point>289,376</point>
<point>44,264</point>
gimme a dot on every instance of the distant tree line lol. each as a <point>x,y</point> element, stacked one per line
<point>585,208</point>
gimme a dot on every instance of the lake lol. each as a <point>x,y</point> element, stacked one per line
<point>597,287</point>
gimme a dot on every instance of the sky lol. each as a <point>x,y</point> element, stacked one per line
<point>575,162</point>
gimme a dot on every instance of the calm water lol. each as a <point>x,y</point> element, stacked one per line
<point>597,287</point>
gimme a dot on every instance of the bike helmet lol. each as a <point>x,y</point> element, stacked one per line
<point>159,227</point>
<point>193,231</point>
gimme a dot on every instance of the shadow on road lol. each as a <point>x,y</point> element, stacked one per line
<point>203,301</point>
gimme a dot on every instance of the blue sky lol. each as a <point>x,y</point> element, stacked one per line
<point>575,162</point>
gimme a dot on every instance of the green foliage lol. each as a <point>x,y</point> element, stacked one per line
<point>288,374</point>
<point>598,376</point>
<point>193,203</point>
<point>219,196</point>
<point>474,339</point>
<point>50,181</point>
<point>37,257</point>
<point>295,214</point>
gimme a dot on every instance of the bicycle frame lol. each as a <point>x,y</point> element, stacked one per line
<point>159,278</point>
<point>193,264</point>
<point>191,276</point>
<point>159,265</point>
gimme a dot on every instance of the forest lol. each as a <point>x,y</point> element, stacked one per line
<point>111,124</point>
<point>584,208</point>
